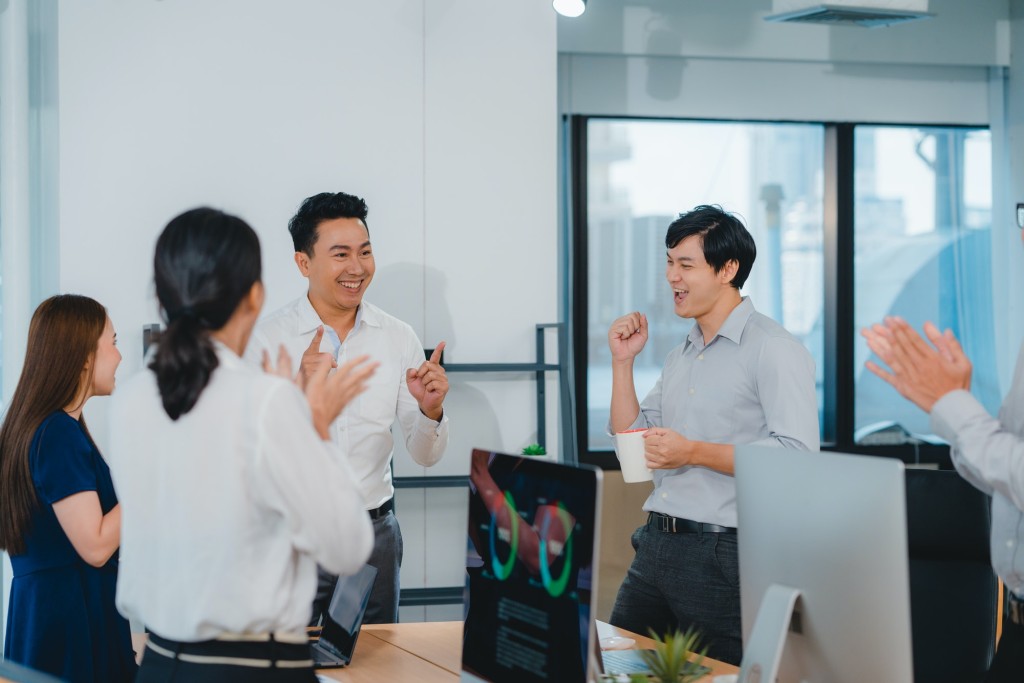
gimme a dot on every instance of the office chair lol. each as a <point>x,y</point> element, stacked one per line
<point>953,590</point>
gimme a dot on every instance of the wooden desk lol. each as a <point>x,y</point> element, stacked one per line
<point>436,652</point>
<point>430,652</point>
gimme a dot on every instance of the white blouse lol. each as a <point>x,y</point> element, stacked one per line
<point>227,511</point>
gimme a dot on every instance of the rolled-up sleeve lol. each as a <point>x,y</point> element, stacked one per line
<point>787,394</point>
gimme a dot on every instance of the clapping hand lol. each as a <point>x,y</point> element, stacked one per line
<point>328,393</point>
<point>921,372</point>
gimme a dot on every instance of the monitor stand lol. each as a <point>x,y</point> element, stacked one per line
<point>763,652</point>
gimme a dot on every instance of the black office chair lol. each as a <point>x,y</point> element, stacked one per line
<point>953,590</point>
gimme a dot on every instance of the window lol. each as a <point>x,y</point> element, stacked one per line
<point>906,232</point>
<point>640,176</point>
<point>922,251</point>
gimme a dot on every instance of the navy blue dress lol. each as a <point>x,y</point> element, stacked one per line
<point>62,618</point>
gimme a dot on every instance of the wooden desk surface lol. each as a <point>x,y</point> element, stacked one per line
<point>439,644</point>
<point>377,660</point>
<point>430,652</point>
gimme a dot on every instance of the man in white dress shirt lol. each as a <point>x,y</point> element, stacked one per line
<point>987,451</point>
<point>333,323</point>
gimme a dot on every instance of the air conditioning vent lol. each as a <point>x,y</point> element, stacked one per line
<point>838,15</point>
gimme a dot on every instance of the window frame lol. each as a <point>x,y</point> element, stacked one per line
<point>838,277</point>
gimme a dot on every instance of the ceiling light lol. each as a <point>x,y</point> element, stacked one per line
<point>569,8</point>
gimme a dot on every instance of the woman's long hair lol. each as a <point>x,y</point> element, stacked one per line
<point>206,262</point>
<point>62,338</point>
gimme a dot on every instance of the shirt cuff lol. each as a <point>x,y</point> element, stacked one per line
<point>953,412</point>
<point>425,425</point>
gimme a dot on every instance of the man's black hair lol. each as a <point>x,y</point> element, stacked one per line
<point>322,207</point>
<point>723,238</point>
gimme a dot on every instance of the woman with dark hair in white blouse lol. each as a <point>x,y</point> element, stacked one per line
<point>230,489</point>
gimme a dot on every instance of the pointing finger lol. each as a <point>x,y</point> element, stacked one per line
<point>314,345</point>
<point>435,357</point>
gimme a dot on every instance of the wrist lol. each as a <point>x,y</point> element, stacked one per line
<point>435,414</point>
<point>623,365</point>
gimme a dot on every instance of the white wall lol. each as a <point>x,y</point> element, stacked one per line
<point>709,59</point>
<point>441,113</point>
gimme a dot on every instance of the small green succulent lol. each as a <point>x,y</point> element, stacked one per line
<point>669,661</point>
<point>534,449</point>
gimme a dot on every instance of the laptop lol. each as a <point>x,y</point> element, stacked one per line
<point>531,574</point>
<point>343,619</point>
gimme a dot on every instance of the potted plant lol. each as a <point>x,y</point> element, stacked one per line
<point>534,449</point>
<point>669,661</point>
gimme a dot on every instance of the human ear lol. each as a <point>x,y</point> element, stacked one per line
<point>253,300</point>
<point>728,271</point>
<point>302,261</point>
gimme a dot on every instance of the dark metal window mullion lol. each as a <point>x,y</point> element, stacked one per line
<point>839,286</point>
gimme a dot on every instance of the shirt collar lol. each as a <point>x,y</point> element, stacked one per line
<point>310,319</point>
<point>226,356</point>
<point>732,328</point>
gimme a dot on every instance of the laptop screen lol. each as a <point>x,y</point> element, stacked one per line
<point>530,570</point>
<point>344,617</point>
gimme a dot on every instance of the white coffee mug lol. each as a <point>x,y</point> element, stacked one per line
<point>629,446</point>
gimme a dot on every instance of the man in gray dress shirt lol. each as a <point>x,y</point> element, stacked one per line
<point>987,452</point>
<point>738,378</point>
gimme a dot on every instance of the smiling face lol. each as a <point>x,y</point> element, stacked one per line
<point>697,289</point>
<point>105,360</point>
<point>341,266</point>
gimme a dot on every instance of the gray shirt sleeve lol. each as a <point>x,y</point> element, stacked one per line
<point>987,455</point>
<point>787,394</point>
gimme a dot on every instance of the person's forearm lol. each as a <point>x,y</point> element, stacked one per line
<point>715,456</point>
<point>624,407</point>
<point>110,532</point>
<point>93,535</point>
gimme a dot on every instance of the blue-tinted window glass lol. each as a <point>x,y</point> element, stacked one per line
<point>922,216</point>
<point>641,175</point>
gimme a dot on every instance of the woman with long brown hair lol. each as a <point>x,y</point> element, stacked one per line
<point>59,517</point>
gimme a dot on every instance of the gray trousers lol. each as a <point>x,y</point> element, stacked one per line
<point>387,558</point>
<point>684,580</point>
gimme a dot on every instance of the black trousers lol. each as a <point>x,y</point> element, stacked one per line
<point>1008,665</point>
<point>210,662</point>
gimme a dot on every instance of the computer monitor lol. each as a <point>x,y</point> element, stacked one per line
<point>823,567</point>
<point>531,572</point>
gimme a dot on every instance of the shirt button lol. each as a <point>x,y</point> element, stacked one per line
<point>664,495</point>
<point>700,357</point>
<point>1009,544</point>
<point>692,391</point>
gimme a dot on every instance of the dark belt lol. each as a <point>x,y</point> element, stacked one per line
<point>269,653</point>
<point>678,525</point>
<point>1015,609</point>
<point>383,509</point>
